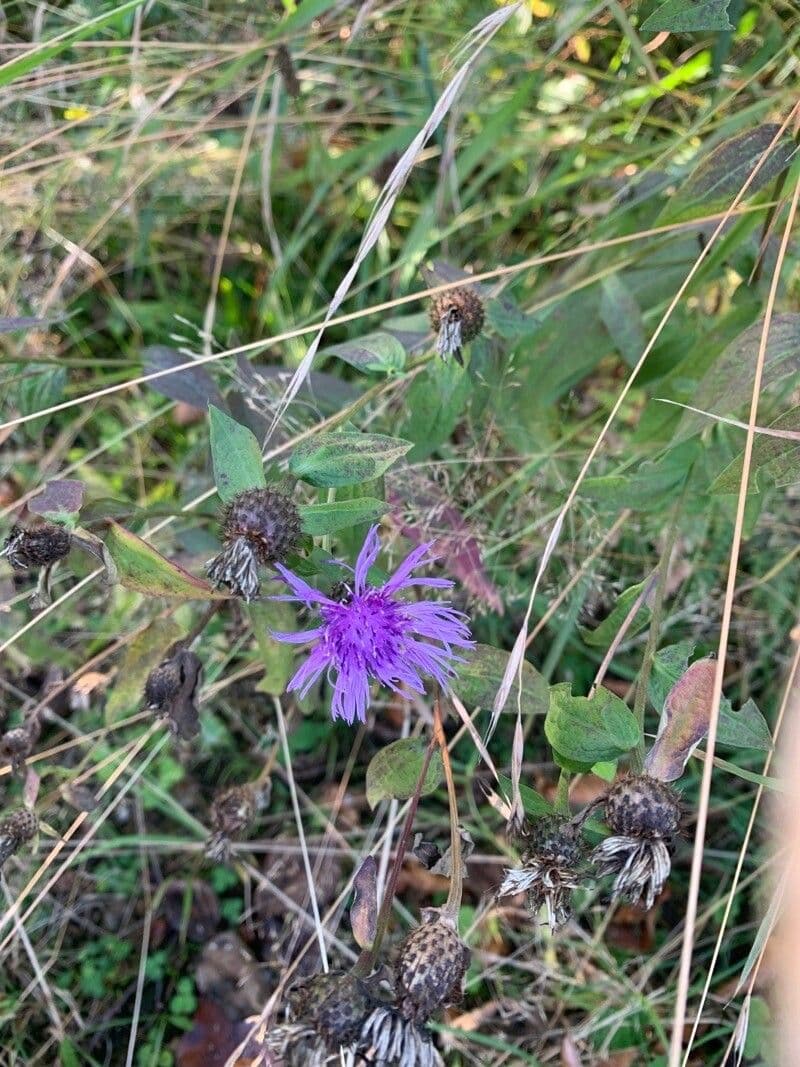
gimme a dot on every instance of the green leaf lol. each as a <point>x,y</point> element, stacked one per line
<point>720,175</point>
<point>277,656</point>
<point>604,634</point>
<point>727,385</point>
<point>689,16</point>
<point>652,486</point>
<point>146,651</point>
<point>533,803</point>
<point>588,730</point>
<point>622,317</point>
<point>337,459</point>
<point>378,352</point>
<point>480,676</point>
<point>319,519</point>
<point>436,402</point>
<point>236,455</point>
<point>28,61</point>
<point>141,568</point>
<point>393,772</point>
<point>775,461</point>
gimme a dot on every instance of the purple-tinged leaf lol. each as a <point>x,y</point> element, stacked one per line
<point>364,910</point>
<point>193,386</point>
<point>428,516</point>
<point>684,721</point>
<point>59,501</point>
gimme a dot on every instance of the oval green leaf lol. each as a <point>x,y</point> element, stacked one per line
<point>319,519</point>
<point>393,772</point>
<point>330,460</point>
<point>480,676</point>
<point>589,730</point>
<point>236,455</point>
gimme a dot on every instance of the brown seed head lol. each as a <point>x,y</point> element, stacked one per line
<point>430,968</point>
<point>233,810</point>
<point>554,842</point>
<point>641,806</point>
<point>335,1004</point>
<point>16,829</point>
<point>268,520</point>
<point>37,546</point>
<point>171,690</point>
<point>457,317</point>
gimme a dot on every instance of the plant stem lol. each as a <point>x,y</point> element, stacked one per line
<point>453,903</point>
<point>562,794</point>
<point>640,701</point>
<point>366,961</point>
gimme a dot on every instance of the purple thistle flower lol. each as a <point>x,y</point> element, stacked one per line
<point>373,634</point>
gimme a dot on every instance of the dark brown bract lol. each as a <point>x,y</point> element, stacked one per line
<point>430,968</point>
<point>36,546</point>
<point>644,807</point>
<point>171,690</point>
<point>334,1004</point>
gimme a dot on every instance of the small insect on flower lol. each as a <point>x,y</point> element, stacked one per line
<point>16,830</point>
<point>457,317</point>
<point>644,816</point>
<point>372,634</point>
<point>36,546</point>
<point>259,526</point>
<point>551,869</point>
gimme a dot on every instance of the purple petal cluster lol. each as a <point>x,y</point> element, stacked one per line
<point>373,634</point>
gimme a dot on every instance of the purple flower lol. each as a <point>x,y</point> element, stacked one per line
<point>373,634</point>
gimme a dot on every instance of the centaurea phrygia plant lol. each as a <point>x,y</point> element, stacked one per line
<point>373,634</point>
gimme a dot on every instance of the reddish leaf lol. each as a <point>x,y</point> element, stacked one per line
<point>432,517</point>
<point>214,1037</point>
<point>364,912</point>
<point>684,721</point>
<point>59,501</point>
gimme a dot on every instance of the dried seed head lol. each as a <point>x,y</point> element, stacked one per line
<point>552,867</point>
<point>258,526</point>
<point>388,1039</point>
<point>457,317</point>
<point>334,1004</point>
<point>431,966</point>
<point>640,866</point>
<point>38,546</point>
<point>297,1045</point>
<point>284,63</point>
<point>171,690</point>
<point>17,744</point>
<point>16,829</point>
<point>640,806</point>
<point>232,812</point>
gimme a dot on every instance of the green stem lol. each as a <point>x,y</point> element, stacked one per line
<point>640,701</point>
<point>562,792</point>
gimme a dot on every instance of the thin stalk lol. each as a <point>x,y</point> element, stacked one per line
<point>640,701</point>
<point>453,903</point>
<point>562,792</point>
<point>365,963</point>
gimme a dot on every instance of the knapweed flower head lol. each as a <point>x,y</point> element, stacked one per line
<point>456,317</point>
<point>644,815</point>
<point>552,867</point>
<point>372,633</point>
<point>36,546</point>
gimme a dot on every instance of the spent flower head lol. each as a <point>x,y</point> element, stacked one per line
<point>373,634</point>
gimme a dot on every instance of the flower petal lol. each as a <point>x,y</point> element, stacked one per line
<point>366,557</point>
<point>301,589</point>
<point>301,637</point>
<point>416,558</point>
